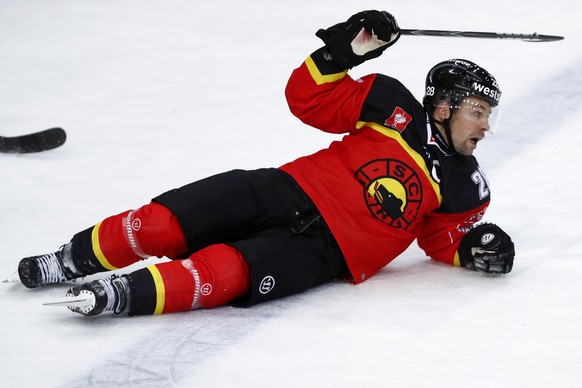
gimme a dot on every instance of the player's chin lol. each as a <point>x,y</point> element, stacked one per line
<point>468,148</point>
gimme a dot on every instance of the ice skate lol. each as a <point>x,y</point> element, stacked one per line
<point>96,297</point>
<point>36,271</point>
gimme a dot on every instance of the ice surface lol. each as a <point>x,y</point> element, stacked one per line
<point>156,94</point>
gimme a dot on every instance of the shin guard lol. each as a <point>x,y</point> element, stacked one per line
<point>212,277</point>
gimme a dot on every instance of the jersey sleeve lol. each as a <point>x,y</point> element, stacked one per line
<point>441,234</point>
<point>323,95</point>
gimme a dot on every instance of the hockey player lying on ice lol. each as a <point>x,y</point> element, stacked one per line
<point>405,171</point>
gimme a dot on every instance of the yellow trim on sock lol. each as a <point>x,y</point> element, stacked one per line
<point>320,78</point>
<point>457,261</point>
<point>160,289</point>
<point>97,248</point>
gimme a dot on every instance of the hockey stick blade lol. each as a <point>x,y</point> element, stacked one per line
<point>14,278</point>
<point>45,140</point>
<point>535,37</point>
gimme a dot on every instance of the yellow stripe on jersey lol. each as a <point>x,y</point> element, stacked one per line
<point>160,289</point>
<point>320,78</point>
<point>415,155</point>
<point>97,248</point>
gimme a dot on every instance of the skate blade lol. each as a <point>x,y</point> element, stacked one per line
<point>72,301</point>
<point>14,278</point>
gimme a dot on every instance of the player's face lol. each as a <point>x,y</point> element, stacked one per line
<point>469,124</point>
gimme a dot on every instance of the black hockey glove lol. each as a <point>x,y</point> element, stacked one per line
<point>364,36</point>
<point>487,248</point>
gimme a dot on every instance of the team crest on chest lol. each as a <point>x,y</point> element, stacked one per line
<point>392,191</point>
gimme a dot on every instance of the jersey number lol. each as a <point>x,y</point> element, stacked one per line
<point>479,178</point>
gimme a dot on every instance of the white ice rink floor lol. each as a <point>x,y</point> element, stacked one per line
<point>156,94</point>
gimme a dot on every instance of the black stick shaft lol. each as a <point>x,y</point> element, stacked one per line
<point>535,37</point>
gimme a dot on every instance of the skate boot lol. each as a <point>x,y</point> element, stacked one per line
<point>36,271</point>
<point>109,294</point>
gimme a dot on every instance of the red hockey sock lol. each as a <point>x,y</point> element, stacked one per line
<point>209,278</point>
<point>152,230</point>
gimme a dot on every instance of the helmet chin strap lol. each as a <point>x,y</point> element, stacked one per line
<point>446,123</point>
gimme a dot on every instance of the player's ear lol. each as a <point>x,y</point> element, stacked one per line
<point>442,112</point>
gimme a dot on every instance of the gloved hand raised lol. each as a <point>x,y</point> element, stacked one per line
<point>487,248</point>
<point>363,36</point>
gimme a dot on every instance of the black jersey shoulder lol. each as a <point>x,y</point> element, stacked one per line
<point>384,96</point>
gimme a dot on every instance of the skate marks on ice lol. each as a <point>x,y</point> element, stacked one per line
<point>529,118</point>
<point>167,355</point>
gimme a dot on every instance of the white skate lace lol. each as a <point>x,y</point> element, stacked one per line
<point>50,269</point>
<point>111,294</point>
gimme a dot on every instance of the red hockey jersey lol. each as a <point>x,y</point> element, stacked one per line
<point>391,179</point>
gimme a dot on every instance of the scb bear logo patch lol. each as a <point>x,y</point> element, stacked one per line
<point>392,191</point>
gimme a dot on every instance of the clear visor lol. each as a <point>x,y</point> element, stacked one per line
<point>479,112</point>
<point>474,109</point>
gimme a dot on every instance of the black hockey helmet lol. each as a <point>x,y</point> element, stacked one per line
<point>455,79</point>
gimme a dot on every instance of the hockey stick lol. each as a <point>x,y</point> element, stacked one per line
<point>47,139</point>
<point>535,37</point>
